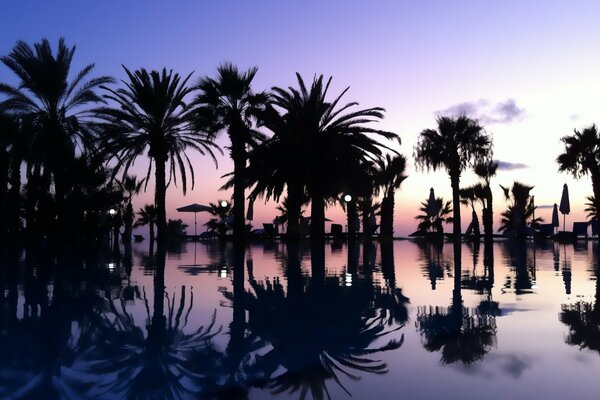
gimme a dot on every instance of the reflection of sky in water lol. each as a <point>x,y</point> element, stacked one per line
<point>510,324</point>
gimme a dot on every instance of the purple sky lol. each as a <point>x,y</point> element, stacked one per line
<point>529,72</point>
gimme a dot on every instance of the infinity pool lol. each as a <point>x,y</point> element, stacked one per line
<point>368,321</point>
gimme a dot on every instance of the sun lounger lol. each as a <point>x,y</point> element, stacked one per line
<point>580,229</point>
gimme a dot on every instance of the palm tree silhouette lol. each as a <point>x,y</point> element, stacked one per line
<point>582,157</point>
<point>456,144</point>
<point>520,209</point>
<point>318,330</point>
<point>130,186</point>
<point>147,215</point>
<point>434,223</point>
<point>583,318</point>
<point>220,222</point>
<point>462,335</point>
<point>314,145</point>
<point>228,103</point>
<point>390,175</point>
<point>56,112</point>
<point>151,117</point>
<point>486,170</point>
<point>133,363</point>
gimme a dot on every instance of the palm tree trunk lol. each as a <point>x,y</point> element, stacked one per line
<point>387,215</point>
<point>160,193</point>
<point>455,183</point>
<point>352,219</point>
<point>238,153</point>
<point>238,321</point>
<point>128,220</point>
<point>14,197</point>
<point>157,327</point>
<point>151,245</point>
<point>294,210</point>
<point>488,216</point>
<point>387,263</point>
<point>4,163</point>
<point>317,218</point>
<point>596,190</point>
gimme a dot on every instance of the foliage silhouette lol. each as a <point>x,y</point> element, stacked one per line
<point>456,144</point>
<point>313,147</point>
<point>151,117</point>
<point>582,157</point>
<point>520,209</point>
<point>227,102</point>
<point>56,113</point>
<point>461,334</point>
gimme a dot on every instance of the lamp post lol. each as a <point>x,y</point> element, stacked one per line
<point>351,214</point>
<point>112,212</point>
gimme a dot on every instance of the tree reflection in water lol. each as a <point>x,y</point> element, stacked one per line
<point>319,329</point>
<point>133,364</point>
<point>41,345</point>
<point>461,334</point>
<point>583,318</point>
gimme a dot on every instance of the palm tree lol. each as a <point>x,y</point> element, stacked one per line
<point>520,209</point>
<point>151,117</point>
<point>390,175</point>
<point>221,218</point>
<point>590,209</point>
<point>228,103</point>
<point>486,170</point>
<point>457,143</point>
<point>461,334</point>
<point>434,223</point>
<point>469,196</point>
<point>147,215</point>
<point>314,145</point>
<point>130,186</point>
<point>57,112</point>
<point>582,157</point>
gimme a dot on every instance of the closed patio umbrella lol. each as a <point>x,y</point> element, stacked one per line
<point>565,206</point>
<point>195,208</point>
<point>555,222</point>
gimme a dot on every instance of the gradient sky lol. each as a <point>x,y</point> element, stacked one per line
<point>528,71</point>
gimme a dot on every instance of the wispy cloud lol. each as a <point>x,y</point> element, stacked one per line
<point>510,166</point>
<point>487,112</point>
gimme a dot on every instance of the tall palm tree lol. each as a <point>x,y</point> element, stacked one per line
<point>227,102</point>
<point>315,142</point>
<point>486,170</point>
<point>151,117</point>
<point>57,111</point>
<point>390,175</point>
<point>582,157</point>
<point>456,144</point>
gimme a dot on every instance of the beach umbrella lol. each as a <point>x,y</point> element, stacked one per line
<point>565,206</point>
<point>195,208</point>
<point>432,208</point>
<point>555,222</point>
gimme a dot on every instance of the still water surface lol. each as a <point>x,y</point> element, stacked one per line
<point>403,320</point>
